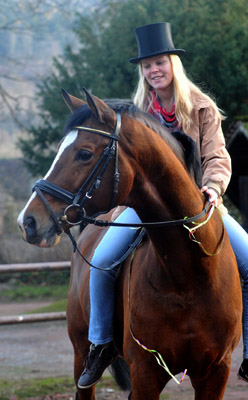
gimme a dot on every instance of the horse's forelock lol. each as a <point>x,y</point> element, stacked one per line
<point>76,118</point>
<point>81,114</point>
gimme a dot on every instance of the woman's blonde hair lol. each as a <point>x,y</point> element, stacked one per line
<point>183,87</point>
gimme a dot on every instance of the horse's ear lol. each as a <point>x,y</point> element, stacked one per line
<point>72,102</point>
<point>99,108</point>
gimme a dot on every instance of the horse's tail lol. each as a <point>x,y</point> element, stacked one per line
<point>120,371</point>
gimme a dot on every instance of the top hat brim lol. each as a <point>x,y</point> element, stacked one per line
<point>177,52</point>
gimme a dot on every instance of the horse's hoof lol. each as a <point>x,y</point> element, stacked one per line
<point>76,396</point>
<point>130,396</point>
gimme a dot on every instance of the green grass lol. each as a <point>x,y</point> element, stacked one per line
<point>30,292</point>
<point>56,294</point>
<point>56,306</point>
<point>35,387</point>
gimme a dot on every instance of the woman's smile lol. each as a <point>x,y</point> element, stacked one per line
<point>158,71</point>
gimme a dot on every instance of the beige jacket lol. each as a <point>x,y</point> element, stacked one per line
<point>206,131</point>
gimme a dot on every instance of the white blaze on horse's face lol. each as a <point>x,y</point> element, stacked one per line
<point>20,218</point>
<point>69,139</point>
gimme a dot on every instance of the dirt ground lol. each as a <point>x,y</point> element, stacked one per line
<point>43,349</point>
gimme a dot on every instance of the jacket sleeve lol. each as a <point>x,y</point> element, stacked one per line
<point>216,162</point>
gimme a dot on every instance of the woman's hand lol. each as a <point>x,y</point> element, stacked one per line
<point>213,195</point>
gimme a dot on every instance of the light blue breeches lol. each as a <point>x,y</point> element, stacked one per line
<point>102,283</point>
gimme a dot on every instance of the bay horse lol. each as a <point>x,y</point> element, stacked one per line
<point>174,295</point>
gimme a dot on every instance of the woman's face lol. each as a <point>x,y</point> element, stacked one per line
<point>158,71</point>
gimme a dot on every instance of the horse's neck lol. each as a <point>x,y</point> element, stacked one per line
<point>169,197</point>
<point>165,191</point>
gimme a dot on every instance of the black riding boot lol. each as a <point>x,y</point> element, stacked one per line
<point>243,370</point>
<point>98,359</point>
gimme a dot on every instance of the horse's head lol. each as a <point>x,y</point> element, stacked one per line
<point>86,156</point>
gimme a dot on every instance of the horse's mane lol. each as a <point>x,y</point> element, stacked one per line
<point>181,144</point>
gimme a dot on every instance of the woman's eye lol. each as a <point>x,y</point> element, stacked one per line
<point>84,155</point>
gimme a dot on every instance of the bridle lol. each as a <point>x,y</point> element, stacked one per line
<point>79,199</point>
<point>93,181</point>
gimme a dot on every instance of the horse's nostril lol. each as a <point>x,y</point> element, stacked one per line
<point>30,225</point>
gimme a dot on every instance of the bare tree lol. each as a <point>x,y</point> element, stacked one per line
<point>31,33</point>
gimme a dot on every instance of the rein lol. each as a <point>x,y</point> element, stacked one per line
<point>199,225</point>
<point>176,222</point>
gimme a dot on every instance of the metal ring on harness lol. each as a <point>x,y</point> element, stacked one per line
<point>81,212</point>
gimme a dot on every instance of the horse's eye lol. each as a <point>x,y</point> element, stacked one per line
<point>84,155</point>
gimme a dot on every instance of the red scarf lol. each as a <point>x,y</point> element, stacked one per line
<point>157,110</point>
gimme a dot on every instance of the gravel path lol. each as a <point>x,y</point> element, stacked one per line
<point>44,349</point>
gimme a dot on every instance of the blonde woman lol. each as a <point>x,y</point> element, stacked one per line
<point>164,91</point>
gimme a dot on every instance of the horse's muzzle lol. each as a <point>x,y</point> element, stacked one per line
<point>35,236</point>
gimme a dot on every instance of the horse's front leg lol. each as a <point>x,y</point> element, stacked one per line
<point>86,394</point>
<point>214,385</point>
<point>82,394</point>
<point>147,379</point>
<point>79,337</point>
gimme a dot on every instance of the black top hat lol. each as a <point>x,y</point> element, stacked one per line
<point>154,39</point>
